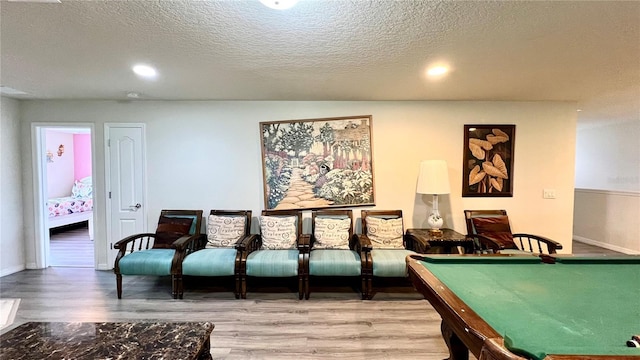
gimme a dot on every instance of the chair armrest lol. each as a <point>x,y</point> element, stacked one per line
<point>190,243</point>
<point>131,244</point>
<point>488,244</point>
<point>251,243</point>
<point>244,242</point>
<point>551,244</point>
<point>416,243</point>
<point>363,242</point>
<point>122,244</point>
<point>304,243</point>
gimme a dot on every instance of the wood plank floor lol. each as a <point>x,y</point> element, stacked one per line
<point>398,324</point>
<point>270,324</point>
<point>71,248</point>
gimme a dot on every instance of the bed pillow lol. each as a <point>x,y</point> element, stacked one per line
<point>224,231</point>
<point>278,232</point>
<point>169,230</point>
<point>385,233</point>
<point>81,190</point>
<point>331,233</point>
<point>495,228</point>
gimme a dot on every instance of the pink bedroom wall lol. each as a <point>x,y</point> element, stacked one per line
<point>82,155</point>
<point>60,171</point>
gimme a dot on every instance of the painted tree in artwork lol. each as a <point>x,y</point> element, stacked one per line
<point>326,138</point>
<point>270,137</point>
<point>297,138</point>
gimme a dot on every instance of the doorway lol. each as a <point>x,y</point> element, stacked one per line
<point>65,181</point>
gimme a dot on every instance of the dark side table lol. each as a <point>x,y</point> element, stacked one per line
<point>450,240</point>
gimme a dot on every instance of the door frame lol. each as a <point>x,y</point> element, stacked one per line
<point>41,231</point>
<point>107,178</point>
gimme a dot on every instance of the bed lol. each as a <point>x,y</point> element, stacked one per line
<point>73,209</point>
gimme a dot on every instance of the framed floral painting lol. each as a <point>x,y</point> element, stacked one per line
<point>488,160</point>
<point>317,163</point>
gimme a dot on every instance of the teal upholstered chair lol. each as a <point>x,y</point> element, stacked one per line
<point>383,231</point>
<point>334,251</point>
<point>491,233</point>
<point>219,252</point>
<point>278,252</point>
<point>155,253</point>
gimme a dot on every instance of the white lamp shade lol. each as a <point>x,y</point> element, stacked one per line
<point>433,177</point>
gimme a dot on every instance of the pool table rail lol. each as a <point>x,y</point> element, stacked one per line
<point>462,328</point>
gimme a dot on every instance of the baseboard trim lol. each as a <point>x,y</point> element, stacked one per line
<point>12,270</point>
<point>104,267</point>
<point>605,245</point>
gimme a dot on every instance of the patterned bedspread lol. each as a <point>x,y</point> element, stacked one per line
<point>68,205</point>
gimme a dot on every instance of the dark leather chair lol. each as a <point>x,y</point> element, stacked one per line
<point>334,249</point>
<point>383,233</point>
<point>269,256</point>
<point>491,233</point>
<point>218,253</point>
<point>155,253</point>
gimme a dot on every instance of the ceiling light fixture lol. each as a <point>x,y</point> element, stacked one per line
<point>145,71</point>
<point>39,1</point>
<point>437,71</point>
<point>279,4</point>
<point>5,90</point>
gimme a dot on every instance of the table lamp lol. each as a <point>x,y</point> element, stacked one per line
<point>433,179</point>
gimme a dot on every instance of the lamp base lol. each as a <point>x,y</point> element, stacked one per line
<point>435,232</point>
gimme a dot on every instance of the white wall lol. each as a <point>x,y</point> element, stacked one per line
<point>60,172</point>
<point>608,219</point>
<point>206,155</point>
<point>607,205</point>
<point>12,256</point>
<point>608,157</point>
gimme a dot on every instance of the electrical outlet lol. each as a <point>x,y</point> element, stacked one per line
<point>549,193</point>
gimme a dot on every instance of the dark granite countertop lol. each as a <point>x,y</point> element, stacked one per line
<point>117,340</point>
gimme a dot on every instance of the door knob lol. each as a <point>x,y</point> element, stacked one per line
<point>135,207</point>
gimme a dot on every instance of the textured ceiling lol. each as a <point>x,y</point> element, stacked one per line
<point>588,52</point>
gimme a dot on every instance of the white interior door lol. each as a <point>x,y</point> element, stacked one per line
<point>125,182</point>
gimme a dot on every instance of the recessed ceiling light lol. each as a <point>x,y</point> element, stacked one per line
<point>437,71</point>
<point>38,1</point>
<point>279,4</point>
<point>578,110</point>
<point>5,90</point>
<point>145,71</point>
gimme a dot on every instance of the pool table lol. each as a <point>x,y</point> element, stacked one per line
<point>533,307</point>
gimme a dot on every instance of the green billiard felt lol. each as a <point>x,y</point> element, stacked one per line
<point>570,307</point>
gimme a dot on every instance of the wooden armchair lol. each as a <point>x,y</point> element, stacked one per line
<point>383,234</point>
<point>279,251</point>
<point>491,232</point>
<point>334,249</point>
<point>218,253</point>
<point>155,253</point>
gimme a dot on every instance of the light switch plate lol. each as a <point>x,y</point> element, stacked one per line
<point>549,193</point>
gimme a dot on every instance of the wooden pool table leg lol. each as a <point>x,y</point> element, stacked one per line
<point>457,349</point>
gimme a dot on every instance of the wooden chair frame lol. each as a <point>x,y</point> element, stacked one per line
<point>354,244</point>
<point>365,242</point>
<point>254,243</point>
<point>144,241</point>
<point>188,245</point>
<point>525,242</point>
